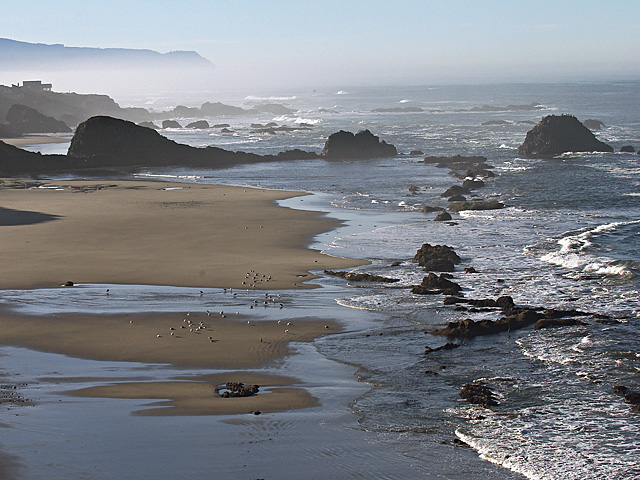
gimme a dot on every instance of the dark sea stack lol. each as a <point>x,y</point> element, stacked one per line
<point>149,125</point>
<point>555,135</point>
<point>23,119</point>
<point>200,124</point>
<point>364,144</point>
<point>437,258</point>
<point>628,149</point>
<point>593,124</point>
<point>170,124</point>
<point>221,110</point>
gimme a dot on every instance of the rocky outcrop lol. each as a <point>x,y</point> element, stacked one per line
<point>433,284</point>
<point>555,135</point>
<point>437,258</point>
<point>200,124</point>
<point>627,149</point>
<point>149,125</point>
<point>364,144</point>
<point>15,161</point>
<point>514,318</point>
<point>593,124</point>
<point>170,124</point>
<point>446,346</point>
<point>361,277</point>
<point>22,119</point>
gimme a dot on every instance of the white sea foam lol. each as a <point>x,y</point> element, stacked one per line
<point>155,175</point>
<point>406,100</point>
<point>298,120</point>
<point>271,99</point>
<point>341,92</point>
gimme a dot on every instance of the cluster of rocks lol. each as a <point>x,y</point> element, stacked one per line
<point>361,277</point>
<point>364,144</point>
<point>513,318</point>
<point>433,284</point>
<point>474,170</point>
<point>238,389</point>
<point>270,128</point>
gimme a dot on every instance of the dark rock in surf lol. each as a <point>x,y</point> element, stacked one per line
<point>361,277</point>
<point>437,258</point>
<point>457,198</point>
<point>22,119</point>
<point>555,135</point>
<point>170,124</point>
<point>430,209</point>
<point>620,389</point>
<point>454,190</point>
<point>416,152</point>
<point>446,346</point>
<point>632,398</point>
<point>556,322</point>
<point>462,206</point>
<point>627,149</point>
<point>433,284</point>
<point>199,124</point>
<point>443,216</point>
<point>472,184</point>
<point>149,125</point>
<point>364,144</point>
<point>479,394</point>
<point>593,124</point>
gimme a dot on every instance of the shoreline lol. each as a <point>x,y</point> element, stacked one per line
<point>30,140</point>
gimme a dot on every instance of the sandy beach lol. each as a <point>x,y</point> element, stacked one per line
<point>149,233</point>
<point>29,140</point>
<point>156,234</point>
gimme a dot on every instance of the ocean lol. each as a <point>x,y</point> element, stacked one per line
<point>568,238</point>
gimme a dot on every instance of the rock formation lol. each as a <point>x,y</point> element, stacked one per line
<point>433,284</point>
<point>201,124</point>
<point>364,144</point>
<point>555,135</point>
<point>22,119</point>
<point>627,149</point>
<point>593,124</point>
<point>170,124</point>
<point>479,394</point>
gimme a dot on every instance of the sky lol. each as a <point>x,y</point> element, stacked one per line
<point>326,42</point>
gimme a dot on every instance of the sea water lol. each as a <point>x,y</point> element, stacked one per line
<point>569,237</point>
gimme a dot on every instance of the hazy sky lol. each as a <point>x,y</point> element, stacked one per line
<point>326,42</point>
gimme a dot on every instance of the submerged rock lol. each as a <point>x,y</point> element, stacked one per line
<point>364,144</point>
<point>490,205</point>
<point>593,124</point>
<point>443,216</point>
<point>479,394</point>
<point>555,135</point>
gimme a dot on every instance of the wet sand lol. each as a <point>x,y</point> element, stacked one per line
<point>150,233</point>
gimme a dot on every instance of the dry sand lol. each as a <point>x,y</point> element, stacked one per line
<point>142,233</point>
<point>151,233</point>
<point>29,140</point>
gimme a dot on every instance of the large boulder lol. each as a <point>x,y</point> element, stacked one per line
<point>22,119</point>
<point>201,124</point>
<point>555,135</point>
<point>593,124</point>
<point>364,144</point>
